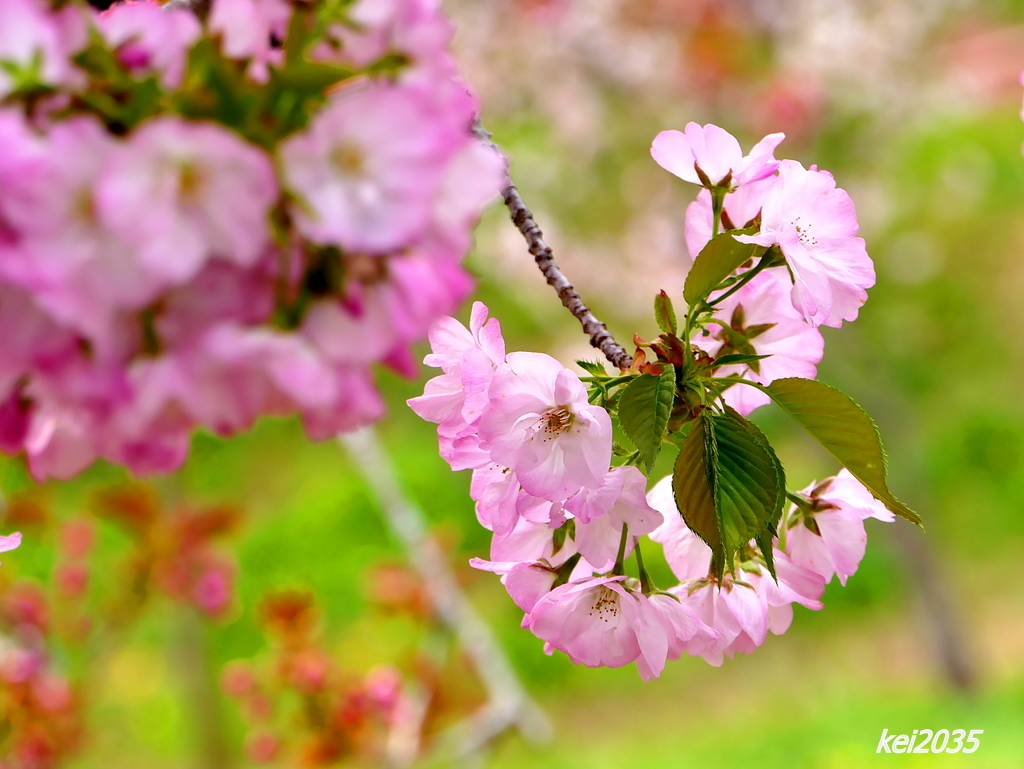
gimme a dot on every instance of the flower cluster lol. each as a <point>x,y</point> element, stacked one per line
<point>777,257</point>
<point>39,706</point>
<point>821,535</point>
<point>304,709</point>
<point>206,222</point>
<point>824,271</point>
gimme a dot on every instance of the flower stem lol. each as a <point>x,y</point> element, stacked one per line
<point>619,569</point>
<point>747,277</point>
<point>646,583</point>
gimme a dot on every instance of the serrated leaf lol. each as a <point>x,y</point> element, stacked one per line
<point>595,369</point>
<point>665,314</point>
<point>692,487</point>
<point>766,536</point>
<point>747,488</point>
<point>645,406</point>
<point>719,259</point>
<point>767,546</point>
<point>780,472</point>
<point>844,429</point>
<point>727,484</point>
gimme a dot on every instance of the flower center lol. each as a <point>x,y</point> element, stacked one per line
<point>348,159</point>
<point>803,231</point>
<point>557,420</point>
<point>190,182</point>
<point>606,604</point>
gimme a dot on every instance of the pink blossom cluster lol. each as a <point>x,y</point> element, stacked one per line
<point>179,276</point>
<point>542,482</point>
<point>563,520</point>
<point>796,210</point>
<point>821,537</point>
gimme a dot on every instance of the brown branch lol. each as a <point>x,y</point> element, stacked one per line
<point>600,336</point>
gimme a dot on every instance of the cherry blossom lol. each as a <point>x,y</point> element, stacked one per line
<point>539,422</point>
<point>759,319</point>
<point>828,537</point>
<point>598,622</point>
<point>740,207</point>
<point>367,167</point>
<point>716,153</point>
<point>183,192</point>
<point>33,31</point>
<point>815,225</point>
<point>248,29</point>
<point>9,542</point>
<point>148,39</point>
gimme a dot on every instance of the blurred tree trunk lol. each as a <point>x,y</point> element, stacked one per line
<point>202,694</point>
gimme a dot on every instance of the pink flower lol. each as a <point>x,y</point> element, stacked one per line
<point>31,31</point>
<point>78,270</point>
<point>368,166</point>
<point>795,585</point>
<point>687,555</point>
<point>413,28</point>
<point>737,611</point>
<point>531,541</point>
<point>598,622</point>
<point>815,225</point>
<point>184,192</point>
<point>716,153</point>
<point>539,423</point>
<point>829,538</point>
<point>148,39</point>
<point>247,28</point>
<point>526,583</point>
<point>456,400</point>
<point>601,513</point>
<point>759,319</point>
<point>10,542</point>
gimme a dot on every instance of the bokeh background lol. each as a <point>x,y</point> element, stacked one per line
<point>913,105</point>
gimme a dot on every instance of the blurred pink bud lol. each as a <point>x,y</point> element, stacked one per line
<point>212,591</point>
<point>237,679</point>
<point>76,537</point>
<point>72,579</point>
<point>262,747</point>
<point>52,693</point>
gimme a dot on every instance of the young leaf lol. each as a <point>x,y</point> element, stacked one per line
<point>644,408</point>
<point>592,368</point>
<point>721,257</point>
<point>844,429</point>
<point>665,313</point>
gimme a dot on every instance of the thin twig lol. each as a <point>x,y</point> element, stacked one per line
<point>508,702</point>
<point>600,336</point>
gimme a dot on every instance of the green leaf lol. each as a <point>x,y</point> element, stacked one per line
<point>844,429</point>
<point>592,368</point>
<point>692,487</point>
<point>665,314</point>
<point>719,259</point>
<point>766,536</point>
<point>644,409</point>
<point>735,359</point>
<point>727,484</point>
<point>747,491</point>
